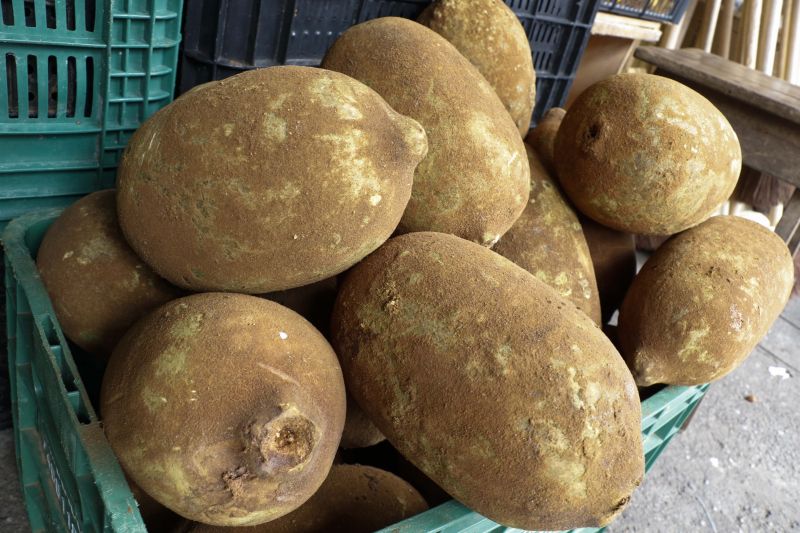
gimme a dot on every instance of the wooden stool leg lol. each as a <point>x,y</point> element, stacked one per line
<point>793,45</point>
<point>788,227</point>
<point>706,36</point>
<point>722,40</point>
<point>751,31</point>
<point>768,40</point>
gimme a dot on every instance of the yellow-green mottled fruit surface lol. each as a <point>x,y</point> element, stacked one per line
<point>485,378</point>
<point>225,408</point>
<point>474,181</point>
<point>97,284</point>
<point>268,180</point>
<point>703,301</point>
<point>490,35</point>
<point>547,241</point>
<point>353,499</point>
<point>646,154</point>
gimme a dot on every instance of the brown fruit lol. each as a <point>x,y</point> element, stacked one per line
<point>501,391</point>
<point>645,154</point>
<point>353,499</point>
<point>271,179</point>
<point>547,241</point>
<point>156,517</point>
<point>474,182</point>
<point>359,431</point>
<point>614,259</point>
<point>313,302</point>
<point>490,35</point>
<point>225,408</point>
<point>703,301</point>
<point>542,138</point>
<point>97,284</point>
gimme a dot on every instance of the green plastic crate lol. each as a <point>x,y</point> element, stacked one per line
<point>76,79</point>
<point>71,479</point>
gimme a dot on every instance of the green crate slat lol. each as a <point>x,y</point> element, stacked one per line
<point>67,468</point>
<point>70,477</point>
<point>115,72</point>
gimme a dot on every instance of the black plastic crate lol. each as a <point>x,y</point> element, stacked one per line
<point>657,10</point>
<point>225,37</point>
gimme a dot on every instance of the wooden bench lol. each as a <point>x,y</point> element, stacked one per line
<point>763,110</point>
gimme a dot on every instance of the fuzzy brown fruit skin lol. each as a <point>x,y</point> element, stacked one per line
<point>353,499</point>
<point>542,138</point>
<point>474,182</point>
<point>645,154</point>
<point>359,431</point>
<point>313,302</point>
<point>225,408</point>
<point>491,37</point>
<point>271,179</point>
<point>155,516</point>
<point>431,327</point>
<point>547,241</point>
<point>97,284</point>
<point>614,260</point>
<point>703,301</point>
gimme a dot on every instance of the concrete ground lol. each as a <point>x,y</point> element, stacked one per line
<point>736,468</point>
<point>12,505</point>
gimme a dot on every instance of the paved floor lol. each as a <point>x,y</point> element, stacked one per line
<point>737,468</point>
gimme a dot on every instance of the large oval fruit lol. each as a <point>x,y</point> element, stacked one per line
<point>646,154</point>
<point>97,284</point>
<point>703,301</point>
<point>474,181</point>
<point>353,499</point>
<point>547,241</point>
<point>490,35</point>
<point>488,380</point>
<point>272,179</point>
<point>225,408</point>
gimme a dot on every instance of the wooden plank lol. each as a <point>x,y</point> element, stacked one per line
<point>790,221</point>
<point>751,87</point>
<point>626,27</point>
<point>604,56</point>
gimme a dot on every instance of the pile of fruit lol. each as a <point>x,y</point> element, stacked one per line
<point>298,260</point>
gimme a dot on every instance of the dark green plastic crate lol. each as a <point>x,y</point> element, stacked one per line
<point>77,77</point>
<point>68,471</point>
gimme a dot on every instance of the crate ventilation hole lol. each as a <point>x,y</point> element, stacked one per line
<point>68,97</point>
<point>29,16</point>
